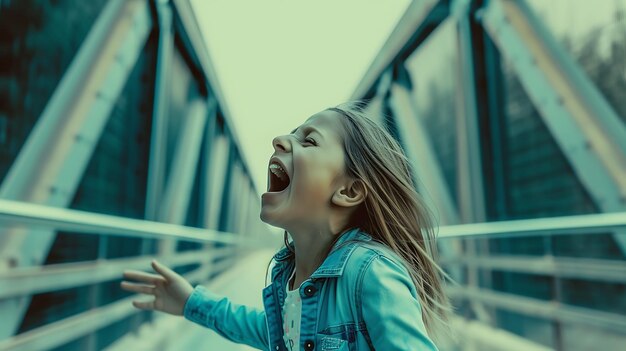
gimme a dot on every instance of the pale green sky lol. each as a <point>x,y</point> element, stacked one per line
<point>280,61</point>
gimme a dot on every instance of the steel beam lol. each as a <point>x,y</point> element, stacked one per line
<point>543,309</point>
<point>470,178</point>
<point>581,121</point>
<point>217,176</point>
<point>158,140</point>
<point>24,214</point>
<point>471,194</point>
<point>421,155</point>
<point>35,280</point>
<point>52,161</point>
<point>71,328</point>
<point>207,163</point>
<point>226,200</point>
<point>597,223</point>
<point>189,32</point>
<point>559,267</point>
<point>419,19</point>
<point>474,336</point>
<point>179,185</point>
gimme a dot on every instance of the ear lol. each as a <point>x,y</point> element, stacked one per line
<point>350,194</point>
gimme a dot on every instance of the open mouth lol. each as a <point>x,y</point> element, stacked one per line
<point>279,179</point>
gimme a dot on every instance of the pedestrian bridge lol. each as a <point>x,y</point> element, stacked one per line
<point>117,147</point>
<point>236,267</point>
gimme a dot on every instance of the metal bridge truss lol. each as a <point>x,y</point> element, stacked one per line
<point>50,165</point>
<point>585,127</point>
<point>46,173</point>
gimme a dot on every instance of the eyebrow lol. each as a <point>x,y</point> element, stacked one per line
<point>308,128</point>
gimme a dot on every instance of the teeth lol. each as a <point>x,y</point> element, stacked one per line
<point>279,171</point>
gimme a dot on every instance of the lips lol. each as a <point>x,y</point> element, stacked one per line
<point>279,179</point>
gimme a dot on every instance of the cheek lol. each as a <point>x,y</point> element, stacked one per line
<point>311,190</point>
<point>312,173</point>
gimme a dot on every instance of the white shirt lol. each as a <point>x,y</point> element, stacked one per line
<point>292,311</point>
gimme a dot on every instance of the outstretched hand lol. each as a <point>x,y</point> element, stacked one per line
<point>170,290</point>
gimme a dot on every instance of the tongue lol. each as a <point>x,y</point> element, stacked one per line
<point>282,183</point>
<point>278,184</point>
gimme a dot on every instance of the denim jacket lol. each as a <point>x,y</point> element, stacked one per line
<point>360,298</point>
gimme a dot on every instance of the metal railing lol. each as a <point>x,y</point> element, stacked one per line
<point>548,265</point>
<point>32,280</point>
<point>23,281</point>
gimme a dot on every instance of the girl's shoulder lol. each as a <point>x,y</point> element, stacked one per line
<point>364,245</point>
<point>375,265</point>
<point>369,249</point>
<point>365,253</point>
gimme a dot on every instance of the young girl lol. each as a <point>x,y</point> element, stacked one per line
<point>360,272</point>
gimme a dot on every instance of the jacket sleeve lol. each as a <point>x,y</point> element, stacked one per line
<point>391,309</point>
<point>237,323</point>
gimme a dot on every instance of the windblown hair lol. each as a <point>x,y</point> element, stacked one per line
<point>393,212</point>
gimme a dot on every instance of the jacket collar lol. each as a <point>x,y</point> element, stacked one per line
<point>335,262</point>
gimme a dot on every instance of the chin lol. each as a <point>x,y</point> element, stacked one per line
<point>266,216</point>
<point>269,218</point>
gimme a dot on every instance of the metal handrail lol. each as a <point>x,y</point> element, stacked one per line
<point>582,224</point>
<point>562,267</point>
<point>552,310</point>
<point>70,328</point>
<point>33,280</point>
<point>93,223</point>
<point>20,213</point>
<point>24,213</point>
<point>593,269</point>
<point>28,280</point>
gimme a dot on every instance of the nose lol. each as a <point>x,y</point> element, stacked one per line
<point>282,143</point>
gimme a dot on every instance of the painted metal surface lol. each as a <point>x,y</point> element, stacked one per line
<point>51,163</point>
<point>410,30</point>
<point>578,120</point>
<point>156,166</point>
<point>419,151</point>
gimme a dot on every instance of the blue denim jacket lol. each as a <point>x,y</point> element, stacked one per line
<point>360,298</point>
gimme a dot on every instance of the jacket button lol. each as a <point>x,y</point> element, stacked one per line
<point>309,291</point>
<point>309,345</point>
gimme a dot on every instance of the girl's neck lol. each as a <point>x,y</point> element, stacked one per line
<point>310,252</point>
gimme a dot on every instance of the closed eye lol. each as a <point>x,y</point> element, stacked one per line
<point>310,140</point>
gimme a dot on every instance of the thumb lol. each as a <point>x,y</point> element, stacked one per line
<point>164,270</point>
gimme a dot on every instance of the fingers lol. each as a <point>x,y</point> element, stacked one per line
<point>144,305</point>
<point>164,270</point>
<point>138,288</point>
<point>147,285</point>
<point>143,277</point>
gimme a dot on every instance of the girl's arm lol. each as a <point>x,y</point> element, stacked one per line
<point>174,295</point>
<point>237,323</point>
<point>391,309</point>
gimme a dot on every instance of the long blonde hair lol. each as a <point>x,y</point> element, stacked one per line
<point>393,212</point>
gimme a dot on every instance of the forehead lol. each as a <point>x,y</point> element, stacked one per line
<point>325,122</point>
